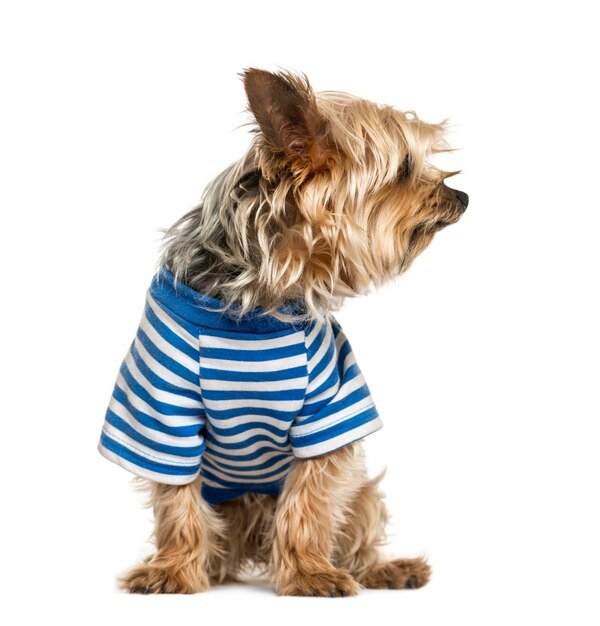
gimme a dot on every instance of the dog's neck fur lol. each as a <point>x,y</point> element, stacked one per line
<point>219,248</point>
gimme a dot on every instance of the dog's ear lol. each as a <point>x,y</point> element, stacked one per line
<point>285,109</point>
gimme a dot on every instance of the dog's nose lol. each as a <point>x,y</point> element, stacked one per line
<point>462,197</point>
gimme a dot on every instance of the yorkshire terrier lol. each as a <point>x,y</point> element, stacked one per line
<point>240,403</point>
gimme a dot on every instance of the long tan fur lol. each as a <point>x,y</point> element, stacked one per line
<point>335,195</point>
<point>189,536</point>
<point>348,206</point>
<point>321,537</point>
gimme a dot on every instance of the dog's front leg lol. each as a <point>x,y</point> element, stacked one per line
<point>311,509</point>
<point>186,534</point>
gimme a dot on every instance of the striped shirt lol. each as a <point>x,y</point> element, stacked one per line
<point>199,393</point>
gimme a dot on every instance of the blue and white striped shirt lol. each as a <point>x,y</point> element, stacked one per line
<point>233,401</point>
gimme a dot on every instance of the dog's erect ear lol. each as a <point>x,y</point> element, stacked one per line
<point>285,109</point>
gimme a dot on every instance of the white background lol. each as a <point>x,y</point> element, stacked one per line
<point>483,359</point>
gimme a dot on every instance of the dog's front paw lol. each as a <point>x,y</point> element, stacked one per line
<point>155,578</point>
<point>329,584</point>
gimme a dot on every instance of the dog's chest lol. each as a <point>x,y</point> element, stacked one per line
<point>252,386</point>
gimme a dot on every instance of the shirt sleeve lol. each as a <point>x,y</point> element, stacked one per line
<point>154,422</point>
<point>338,407</point>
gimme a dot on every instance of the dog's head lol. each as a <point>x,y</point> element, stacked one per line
<point>335,195</point>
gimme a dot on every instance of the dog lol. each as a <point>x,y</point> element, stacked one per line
<point>240,404</point>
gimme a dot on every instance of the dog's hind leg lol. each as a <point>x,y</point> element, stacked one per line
<point>359,541</point>
<point>189,538</point>
<point>248,542</point>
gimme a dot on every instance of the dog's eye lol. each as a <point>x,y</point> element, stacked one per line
<point>406,168</point>
<point>249,179</point>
